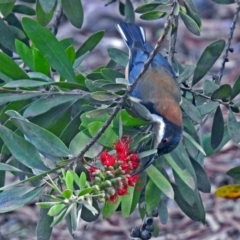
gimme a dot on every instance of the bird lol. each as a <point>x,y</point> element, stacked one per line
<point>157,90</point>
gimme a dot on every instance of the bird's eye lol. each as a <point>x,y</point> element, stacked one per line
<point>165,140</point>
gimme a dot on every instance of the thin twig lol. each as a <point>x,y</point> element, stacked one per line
<point>57,19</point>
<point>173,41</point>
<point>228,48</point>
<point>227,104</point>
<point>43,92</point>
<point>124,97</point>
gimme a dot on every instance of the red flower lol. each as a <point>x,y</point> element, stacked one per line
<point>113,198</point>
<point>122,156</point>
<point>132,179</point>
<point>107,159</point>
<point>134,157</point>
<point>122,146</point>
<point>123,190</point>
<point>91,170</point>
<point>134,165</point>
<point>125,167</point>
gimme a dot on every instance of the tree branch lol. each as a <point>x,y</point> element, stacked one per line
<point>173,41</point>
<point>228,48</point>
<point>57,19</point>
<point>124,97</point>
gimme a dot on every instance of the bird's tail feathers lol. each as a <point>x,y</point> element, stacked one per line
<point>131,33</point>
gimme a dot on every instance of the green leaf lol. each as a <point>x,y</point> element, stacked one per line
<point>147,153</point>
<point>207,108</point>
<point>104,96</point>
<point>203,182</point>
<point>90,212</point>
<point>129,12</point>
<point>70,51</point>
<point>44,17</point>
<point>108,138</point>
<point>25,53</point>
<point>130,121</point>
<point>80,141</point>
<point>236,88</point>
<point>195,212</point>
<point>7,37</point>
<point>186,74</point>
<point>6,97</point>
<point>23,9</point>
<point>234,173</point>
<point>17,197</point>
<point>152,202</point>
<point>43,105</point>
<point>90,43</point>
<point>50,47</point>
<point>40,63</point>
<point>187,193</point>
<point>44,231</point>
<point>22,150</point>
<point>224,1</point>
<point>25,84</point>
<point>110,207</point>
<point>207,142</point>
<point>217,129</point>
<point>82,180</point>
<point>192,12</point>
<point>69,180</point>
<point>183,174</point>
<point>190,24</point>
<point>73,10</point>
<point>137,191</point>
<point>56,209</point>
<point>193,142</point>
<point>6,8</point>
<point>9,168</point>
<point>163,212</point>
<point>233,127</point>
<point>138,110</point>
<point>180,156</point>
<point>10,68</point>
<point>47,5</point>
<point>147,7</point>
<point>209,87</point>
<point>126,204</point>
<point>67,193</point>
<point>223,92</point>
<point>207,59</point>
<point>118,56</point>
<point>191,110</point>
<point>42,139</point>
<point>98,112</point>
<point>111,74</point>
<point>160,181</point>
<point>153,15</point>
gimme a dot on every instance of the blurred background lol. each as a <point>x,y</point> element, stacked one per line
<point>223,218</point>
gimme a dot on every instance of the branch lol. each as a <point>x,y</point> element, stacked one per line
<point>57,19</point>
<point>227,104</point>
<point>228,48</point>
<point>173,40</point>
<point>124,97</point>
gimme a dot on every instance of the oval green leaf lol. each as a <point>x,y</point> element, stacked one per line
<point>207,59</point>
<point>73,9</point>
<point>217,129</point>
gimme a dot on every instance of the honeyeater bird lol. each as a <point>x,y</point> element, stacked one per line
<point>157,89</point>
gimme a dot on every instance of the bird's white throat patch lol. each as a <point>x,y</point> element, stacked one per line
<point>159,129</point>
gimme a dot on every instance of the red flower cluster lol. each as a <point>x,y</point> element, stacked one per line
<point>118,166</point>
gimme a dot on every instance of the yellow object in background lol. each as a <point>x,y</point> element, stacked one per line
<point>231,191</point>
